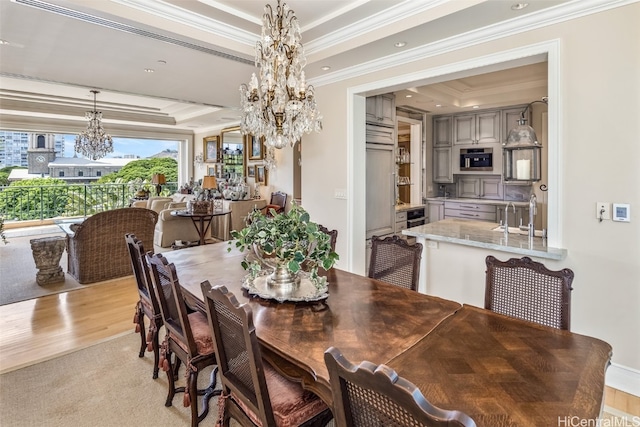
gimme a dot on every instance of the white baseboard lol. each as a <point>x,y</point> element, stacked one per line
<point>623,378</point>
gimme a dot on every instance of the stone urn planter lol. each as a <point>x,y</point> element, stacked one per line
<point>47,252</point>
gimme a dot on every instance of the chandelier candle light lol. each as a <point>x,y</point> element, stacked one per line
<point>280,106</point>
<point>94,143</point>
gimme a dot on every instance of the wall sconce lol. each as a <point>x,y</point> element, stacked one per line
<point>159,180</point>
<point>521,152</point>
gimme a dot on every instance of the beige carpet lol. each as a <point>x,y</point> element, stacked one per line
<point>103,385</point>
<point>18,269</point>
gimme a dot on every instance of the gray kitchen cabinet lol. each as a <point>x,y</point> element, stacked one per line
<point>401,221</point>
<point>480,187</point>
<point>442,164</point>
<point>436,210</point>
<point>380,193</point>
<point>521,215</point>
<point>442,131</point>
<point>381,110</point>
<point>470,210</point>
<point>477,129</point>
<point>380,135</point>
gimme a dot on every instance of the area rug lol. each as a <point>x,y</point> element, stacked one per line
<point>18,269</point>
<point>103,385</point>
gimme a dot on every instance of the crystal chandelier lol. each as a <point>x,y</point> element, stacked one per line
<point>280,106</point>
<point>94,143</point>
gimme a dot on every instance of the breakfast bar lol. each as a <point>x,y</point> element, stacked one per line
<point>480,234</point>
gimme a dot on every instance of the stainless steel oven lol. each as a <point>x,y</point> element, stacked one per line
<point>415,217</point>
<point>476,159</point>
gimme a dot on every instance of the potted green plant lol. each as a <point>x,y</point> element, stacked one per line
<point>2,236</point>
<point>288,242</point>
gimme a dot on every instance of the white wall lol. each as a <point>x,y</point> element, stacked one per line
<point>596,119</point>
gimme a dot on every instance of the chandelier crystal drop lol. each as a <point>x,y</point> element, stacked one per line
<point>280,106</point>
<point>94,143</point>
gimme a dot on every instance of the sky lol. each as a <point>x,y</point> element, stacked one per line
<point>122,146</point>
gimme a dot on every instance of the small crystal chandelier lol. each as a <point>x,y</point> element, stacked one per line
<point>279,107</point>
<point>94,143</point>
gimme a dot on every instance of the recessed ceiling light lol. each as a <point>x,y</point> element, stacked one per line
<point>438,105</point>
<point>519,6</point>
<point>149,70</point>
<point>400,44</point>
<point>408,96</point>
<point>4,42</point>
<point>475,107</point>
<point>325,68</point>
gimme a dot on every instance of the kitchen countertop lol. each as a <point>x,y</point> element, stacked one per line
<point>408,206</point>
<point>481,201</point>
<point>480,234</point>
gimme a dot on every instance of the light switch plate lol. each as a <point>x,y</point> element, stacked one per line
<point>340,193</point>
<point>603,210</point>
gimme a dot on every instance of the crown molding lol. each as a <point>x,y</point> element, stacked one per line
<point>555,15</point>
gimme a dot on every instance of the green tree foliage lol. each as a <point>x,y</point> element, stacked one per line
<point>5,172</point>
<point>34,198</point>
<point>144,169</point>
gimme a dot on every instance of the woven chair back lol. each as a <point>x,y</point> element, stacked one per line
<point>236,345</point>
<point>172,304</point>
<point>141,271</point>
<point>395,261</point>
<point>374,395</point>
<point>527,290</point>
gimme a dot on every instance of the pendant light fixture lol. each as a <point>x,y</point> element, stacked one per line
<point>521,152</point>
<point>94,143</point>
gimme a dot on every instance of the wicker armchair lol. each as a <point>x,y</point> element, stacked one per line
<point>374,395</point>
<point>527,290</point>
<point>97,250</point>
<point>395,261</point>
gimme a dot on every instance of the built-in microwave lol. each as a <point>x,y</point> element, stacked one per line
<point>476,159</point>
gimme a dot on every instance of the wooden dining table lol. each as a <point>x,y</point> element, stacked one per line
<point>498,370</point>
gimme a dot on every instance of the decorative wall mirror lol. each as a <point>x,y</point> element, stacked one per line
<point>233,153</point>
<point>211,149</point>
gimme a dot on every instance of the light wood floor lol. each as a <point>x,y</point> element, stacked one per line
<point>39,329</point>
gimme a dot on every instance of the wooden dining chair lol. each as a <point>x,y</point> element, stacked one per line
<point>188,339</point>
<point>254,394</point>
<point>147,305</point>
<point>527,290</point>
<point>370,395</point>
<point>333,234</point>
<point>395,261</point>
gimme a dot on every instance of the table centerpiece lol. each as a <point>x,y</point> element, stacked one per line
<point>289,245</point>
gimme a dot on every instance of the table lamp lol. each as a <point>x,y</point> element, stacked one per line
<point>158,179</point>
<point>209,183</point>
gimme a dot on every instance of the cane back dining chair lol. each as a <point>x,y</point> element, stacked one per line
<point>527,290</point>
<point>333,235</point>
<point>188,338</point>
<point>395,261</point>
<point>370,395</point>
<point>254,394</point>
<point>147,304</point>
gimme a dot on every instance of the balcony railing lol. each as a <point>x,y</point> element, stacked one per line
<point>39,202</point>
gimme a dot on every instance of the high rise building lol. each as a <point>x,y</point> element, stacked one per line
<point>14,147</point>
